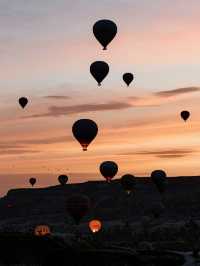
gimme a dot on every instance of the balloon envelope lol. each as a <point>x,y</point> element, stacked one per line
<point>23,101</point>
<point>99,70</point>
<point>32,181</point>
<point>105,30</point>
<point>85,130</point>
<point>108,170</point>
<point>95,226</point>
<point>77,206</point>
<point>128,182</point>
<point>185,115</point>
<point>159,178</point>
<point>42,230</point>
<point>62,179</point>
<point>128,78</point>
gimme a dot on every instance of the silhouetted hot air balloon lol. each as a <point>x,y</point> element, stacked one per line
<point>159,178</point>
<point>108,170</point>
<point>128,183</point>
<point>32,181</point>
<point>99,70</point>
<point>85,130</point>
<point>128,78</point>
<point>104,30</point>
<point>23,101</point>
<point>77,206</point>
<point>185,115</point>
<point>62,179</point>
<point>95,226</point>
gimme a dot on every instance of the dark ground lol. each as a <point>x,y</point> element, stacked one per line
<point>109,202</point>
<point>22,209</point>
<point>24,249</point>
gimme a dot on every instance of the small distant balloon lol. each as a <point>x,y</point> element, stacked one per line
<point>42,230</point>
<point>32,181</point>
<point>128,183</point>
<point>95,226</point>
<point>128,78</point>
<point>104,31</point>
<point>108,169</point>
<point>84,131</point>
<point>23,101</point>
<point>185,115</point>
<point>62,179</point>
<point>159,178</point>
<point>99,70</point>
<point>77,206</point>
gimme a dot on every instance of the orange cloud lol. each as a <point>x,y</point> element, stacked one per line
<point>55,111</point>
<point>177,92</point>
<point>57,97</point>
<point>173,153</point>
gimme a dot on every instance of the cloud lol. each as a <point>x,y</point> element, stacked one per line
<point>144,101</point>
<point>153,100</point>
<point>161,97</point>
<point>22,146</point>
<point>177,92</point>
<point>55,111</point>
<point>5,146</point>
<point>57,97</point>
<point>17,152</point>
<point>173,153</point>
<point>170,156</point>
<point>52,140</point>
<point>19,144</point>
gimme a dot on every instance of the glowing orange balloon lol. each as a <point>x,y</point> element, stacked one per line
<point>42,230</point>
<point>95,226</point>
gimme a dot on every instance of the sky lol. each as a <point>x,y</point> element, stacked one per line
<point>46,48</point>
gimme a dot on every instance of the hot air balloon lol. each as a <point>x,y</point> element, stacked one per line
<point>159,178</point>
<point>85,130</point>
<point>77,206</point>
<point>23,101</point>
<point>42,230</point>
<point>128,183</point>
<point>157,210</point>
<point>108,170</point>
<point>95,226</point>
<point>185,115</point>
<point>99,70</point>
<point>128,78</point>
<point>105,31</point>
<point>32,181</point>
<point>62,179</point>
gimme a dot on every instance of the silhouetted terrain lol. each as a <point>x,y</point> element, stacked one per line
<point>22,207</point>
<point>30,250</point>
